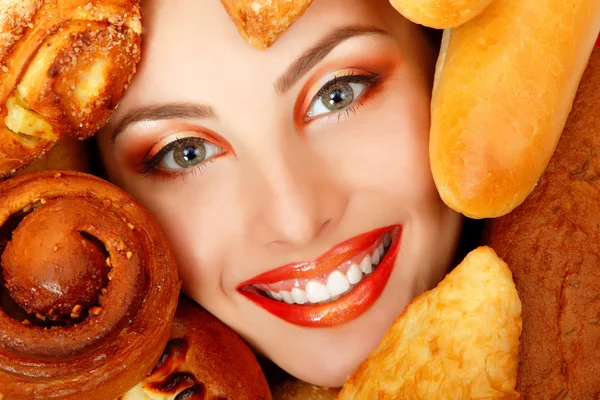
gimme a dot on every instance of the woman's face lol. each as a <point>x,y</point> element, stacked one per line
<point>277,174</point>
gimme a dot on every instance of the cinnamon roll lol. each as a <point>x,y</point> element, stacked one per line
<point>64,66</point>
<point>89,289</point>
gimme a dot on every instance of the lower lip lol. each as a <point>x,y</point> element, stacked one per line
<point>340,311</point>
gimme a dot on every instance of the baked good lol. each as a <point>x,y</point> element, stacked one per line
<point>67,154</point>
<point>440,14</point>
<point>552,244</point>
<point>89,288</point>
<point>504,86</point>
<point>457,341</point>
<point>65,64</point>
<point>294,389</point>
<point>204,358</point>
<point>261,22</point>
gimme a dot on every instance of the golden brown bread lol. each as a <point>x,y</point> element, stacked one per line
<point>552,244</point>
<point>261,22</point>
<point>64,66</point>
<point>67,154</point>
<point>88,288</point>
<point>440,14</point>
<point>293,389</point>
<point>505,83</point>
<point>204,358</point>
<point>458,341</point>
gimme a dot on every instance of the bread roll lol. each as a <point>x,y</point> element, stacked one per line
<point>552,244</point>
<point>459,341</point>
<point>440,14</point>
<point>504,86</point>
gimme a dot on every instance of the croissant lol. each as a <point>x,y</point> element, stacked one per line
<point>89,288</point>
<point>64,66</point>
<point>204,359</point>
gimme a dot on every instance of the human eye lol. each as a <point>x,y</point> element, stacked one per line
<point>343,92</point>
<point>179,153</point>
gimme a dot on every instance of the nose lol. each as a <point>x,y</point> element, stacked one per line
<point>292,196</point>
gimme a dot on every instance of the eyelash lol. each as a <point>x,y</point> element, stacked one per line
<point>371,80</point>
<point>150,166</point>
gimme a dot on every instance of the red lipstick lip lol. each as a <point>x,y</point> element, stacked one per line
<point>322,265</point>
<point>342,310</point>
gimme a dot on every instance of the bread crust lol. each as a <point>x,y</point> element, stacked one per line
<point>458,341</point>
<point>65,65</point>
<point>552,244</point>
<point>204,358</point>
<point>440,14</point>
<point>262,22</point>
<point>504,86</point>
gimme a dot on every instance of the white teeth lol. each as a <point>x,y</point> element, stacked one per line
<point>337,283</point>
<point>299,296</point>
<point>287,296</point>
<point>276,296</point>
<point>316,292</point>
<point>387,240</point>
<point>381,251</point>
<point>354,274</point>
<point>366,266</point>
<point>375,259</point>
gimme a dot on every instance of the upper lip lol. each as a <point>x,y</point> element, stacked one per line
<point>323,264</point>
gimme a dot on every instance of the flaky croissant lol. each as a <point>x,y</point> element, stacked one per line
<point>64,66</point>
<point>89,288</point>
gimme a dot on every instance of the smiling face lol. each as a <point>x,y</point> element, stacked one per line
<point>296,175</point>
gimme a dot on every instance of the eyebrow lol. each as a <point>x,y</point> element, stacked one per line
<point>164,112</point>
<point>293,74</point>
<point>318,52</point>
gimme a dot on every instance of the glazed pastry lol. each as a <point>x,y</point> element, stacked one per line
<point>64,66</point>
<point>204,359</point>
<point>261,22</point>
<point>458,341</point>
<point>89,288</point>
<point>552,244</point>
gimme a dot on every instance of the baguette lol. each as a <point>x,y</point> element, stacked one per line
<point>504,86</point>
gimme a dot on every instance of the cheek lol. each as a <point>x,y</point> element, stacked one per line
<point>385,148</point>
<point>191,219</point>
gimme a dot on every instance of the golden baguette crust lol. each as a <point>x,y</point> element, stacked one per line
<point>505,83</point>
<point>65,65</point>
<point>261,22</point>
<point>552,243</point>
<point>457,341</point>
<point>440,14</point>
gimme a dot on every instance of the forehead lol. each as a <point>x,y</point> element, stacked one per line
<point>195,39</point>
